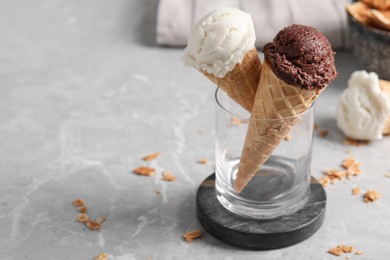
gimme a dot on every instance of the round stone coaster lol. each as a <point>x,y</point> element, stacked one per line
<point>259,234</point>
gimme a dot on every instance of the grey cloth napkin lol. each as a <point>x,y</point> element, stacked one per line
<point>175,18</point>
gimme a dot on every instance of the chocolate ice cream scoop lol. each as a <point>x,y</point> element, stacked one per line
<point>301,56</point>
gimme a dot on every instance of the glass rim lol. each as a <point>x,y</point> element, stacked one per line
<point>244,118</point>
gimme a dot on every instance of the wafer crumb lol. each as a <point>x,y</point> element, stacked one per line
<point>203,161</point>
<point>371,196</point>
<point>340,249</point>
<point>101,256</point>
<point>83,218</point>
<point>336,251</point>
<point>355,191</point>
<point>151,156</point>
<point>78,203</point>
<point>324,133</point>
<point>83,210</point>
<point>358,252</point>
<point>93,225</point>
<point>324,181</point>
<point>145,171</point>
<point>352,166</point>
<point>167,176</point>
<point>192,235</point>
<point>345,249</point>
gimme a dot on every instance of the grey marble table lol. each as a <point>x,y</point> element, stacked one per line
<point>85,94</point>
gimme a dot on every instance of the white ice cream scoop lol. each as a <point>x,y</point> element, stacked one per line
<point>219,41</point>
<point>363,108</point>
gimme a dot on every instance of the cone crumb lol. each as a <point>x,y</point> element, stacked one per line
<point>151,157</point>
<point>83,210</point>
<point>145,171</point>
<point>371,196</point>
<point>203,161</point>
<point>93,225</point>
<point>340,249</point>
<point>168,176</point>
<point>78,203</point>
<point>324,133</point>
<point>102,256</point>
<point>192,235</point>
<point>358,252</point>
<point>336,251</point>
<point>355,191</point>
<point>82,218</point>
<point>352,166</point>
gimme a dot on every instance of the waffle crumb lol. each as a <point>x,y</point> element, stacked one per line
<point>168,176</point>
<point>78,203</point>
<point>336,251</point>
<point>352,166</point>
<point>145,171</point>
<point>324,133</point>
<point>151,157</point>
<point>358,252</point>
<point>357,143</point>
<point>371,196</point>
<point>93,225</point>
<point>340,249</point>
<point>83,210</point>
<point>355,191</point>
<point>203,161</point>
<point>346,249</point>
<point>82,218</point>
<point>101,256</point>
<point>324,181</point>
<point>192,235</point>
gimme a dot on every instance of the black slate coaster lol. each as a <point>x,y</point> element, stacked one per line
<point>259,234</point>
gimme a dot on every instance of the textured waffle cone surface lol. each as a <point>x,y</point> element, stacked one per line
<point>241,83</point>
<point>385,86</point>
<point>272,117</point>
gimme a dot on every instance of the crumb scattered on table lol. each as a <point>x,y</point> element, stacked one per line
<point>101,256</point>
<point>203,161</point>
<point>355,191</point>
<point>324,133</point>
<point>82,218</point>
<point>151,156</point>
<point>371,196</point>
<point>192,235</point>
<point>168,176</point>
<point>78,203</point>
<point>83,210</point>
<point>358,252</point>
<point>93,225</point>
<point>287,137</point>
<point>145,171</point>
<point>341,249</point>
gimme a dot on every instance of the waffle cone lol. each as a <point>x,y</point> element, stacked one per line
<point>241,83</point>
<point>385,86</point>
<point>274,100</point>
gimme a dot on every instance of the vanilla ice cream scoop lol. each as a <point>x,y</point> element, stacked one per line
<point>219,41</point>
<point>363,108</point>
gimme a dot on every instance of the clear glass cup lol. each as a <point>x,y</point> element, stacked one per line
<point>282,184</point>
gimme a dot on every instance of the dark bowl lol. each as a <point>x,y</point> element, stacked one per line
<point>371,47</point>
